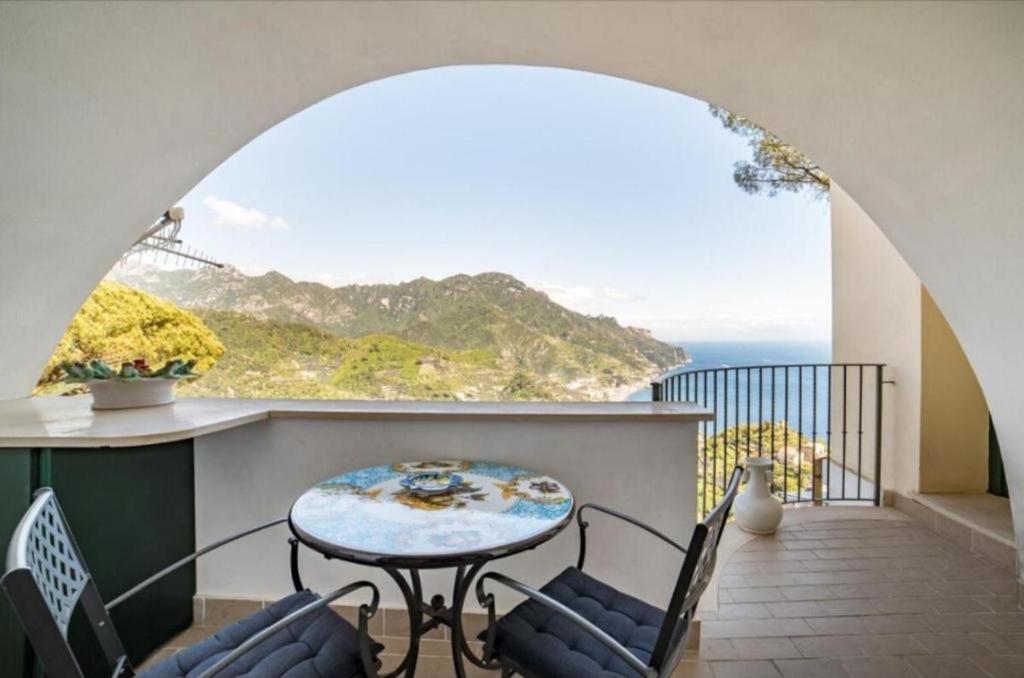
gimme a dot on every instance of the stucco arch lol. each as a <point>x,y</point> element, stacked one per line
<point>110,112</point>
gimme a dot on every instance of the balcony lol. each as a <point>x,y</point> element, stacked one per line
<point>838,591</point>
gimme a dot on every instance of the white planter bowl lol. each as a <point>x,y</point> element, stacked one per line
<point>120,395</point>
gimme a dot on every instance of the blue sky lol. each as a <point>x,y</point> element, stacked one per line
<point>612,196</point>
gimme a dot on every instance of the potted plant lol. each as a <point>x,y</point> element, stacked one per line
<point>134,385</point>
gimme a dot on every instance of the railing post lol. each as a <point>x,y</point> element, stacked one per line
<point>816,478</point>
<point>878,434</point>
<point>656,395</point>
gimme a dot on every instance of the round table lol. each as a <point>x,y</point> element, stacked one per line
<point>431,514</point>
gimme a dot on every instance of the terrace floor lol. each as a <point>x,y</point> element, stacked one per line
<point>858,592</point>
<point>836,593</point>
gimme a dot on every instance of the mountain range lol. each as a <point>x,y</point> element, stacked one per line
<point>490,328</point>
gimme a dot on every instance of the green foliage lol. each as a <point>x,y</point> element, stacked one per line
<point>776,165</point>
<point>793,454</point>
<point>118,324</point>
<point>380,366</point>
<point>274,359</point>
<point>523,387</point>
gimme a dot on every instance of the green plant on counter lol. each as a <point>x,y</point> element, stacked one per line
<point>97,370</point>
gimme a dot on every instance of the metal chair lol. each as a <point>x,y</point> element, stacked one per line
<point>577,625</point>
<point>47,579</point>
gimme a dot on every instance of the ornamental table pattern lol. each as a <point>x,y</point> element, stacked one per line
<point>368,515</point>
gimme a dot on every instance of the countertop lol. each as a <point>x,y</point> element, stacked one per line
<point>53,421</point>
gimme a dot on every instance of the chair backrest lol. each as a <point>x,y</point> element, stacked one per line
<point>46,579</point>
<point>694,577</point>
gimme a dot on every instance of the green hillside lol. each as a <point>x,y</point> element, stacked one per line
<point>493,312</point>
<point>274,359</point>
<point>484,337</point>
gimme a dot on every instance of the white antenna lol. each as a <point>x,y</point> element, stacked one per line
<point>162,237</point>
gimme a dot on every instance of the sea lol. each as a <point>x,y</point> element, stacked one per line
<point>804,410</point>
<point>719,354</point>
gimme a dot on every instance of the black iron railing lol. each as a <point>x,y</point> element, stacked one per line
<point>820,423</point>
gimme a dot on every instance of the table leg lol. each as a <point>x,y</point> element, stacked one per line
<point>452,617</point>
<point>414,604</point>
<point>460,644</point>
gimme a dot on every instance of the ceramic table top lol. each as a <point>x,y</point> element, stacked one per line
<point>432,511</point>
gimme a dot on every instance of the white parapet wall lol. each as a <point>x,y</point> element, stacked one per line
<point>253,473</point>
<point>253,458</point>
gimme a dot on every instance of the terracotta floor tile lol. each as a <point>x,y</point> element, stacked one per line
<point>998,603</point>
<point>1001,666</point>
<point>1000,588</point>
<point>767,556</point>
<point>803,544</point>
<point>939,666</point>
<point>953,643</point>
<point>1001,643</point>
<point>977,574</point>
<point>904,605</point>
<point>954,623</point>
<point>755,628</point>
<point>811,668</point>
<point>811,592</point>
<point>767,594</point>
<point>878,667</point>
<point>891,645</point>
<point>847,607</point>
<point>828,646</point>
<point>693,669</point>
<point>1003,622</point>
<point>837,626</point>
<point>744,669</point>
<point>746,611</point>
<point>717,648</point>
<point>798,609</point>
<point>193,635</point>
<point>764,648</point>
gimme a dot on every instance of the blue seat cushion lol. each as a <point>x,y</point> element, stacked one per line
<point>321,644</point>
<point>544,643</point>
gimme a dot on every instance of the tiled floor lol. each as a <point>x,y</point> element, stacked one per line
<point>849,598</point>
<point>829,596</point>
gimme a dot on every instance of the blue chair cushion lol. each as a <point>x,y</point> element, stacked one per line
<point>544,643</point>
<point>321,644</point>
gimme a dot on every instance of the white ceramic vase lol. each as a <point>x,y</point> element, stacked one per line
<point>116,394</point>
<point>756,509</point>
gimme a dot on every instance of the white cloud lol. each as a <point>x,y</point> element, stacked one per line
<point>589,300</point>
<point>240,218</point>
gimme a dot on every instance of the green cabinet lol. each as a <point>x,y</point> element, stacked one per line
<point>132,511</point>
<point>16,485</point>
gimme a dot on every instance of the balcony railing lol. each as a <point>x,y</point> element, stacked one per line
<point>820,422</point>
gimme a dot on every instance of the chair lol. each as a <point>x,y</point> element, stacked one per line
<point>577,625</point>
<point>47,579</point>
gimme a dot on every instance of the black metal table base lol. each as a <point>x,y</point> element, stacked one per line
<point>438,613</point>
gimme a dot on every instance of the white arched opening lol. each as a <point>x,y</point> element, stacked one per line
<point>113,111</point>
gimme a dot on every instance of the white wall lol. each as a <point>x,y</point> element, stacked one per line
<point>253,474</point>
<point>110,112</point>
<point>876,317</point>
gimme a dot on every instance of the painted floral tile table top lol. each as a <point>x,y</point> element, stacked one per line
<point>370,516</point>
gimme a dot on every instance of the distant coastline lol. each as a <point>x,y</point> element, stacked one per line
<point>703,355</point>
